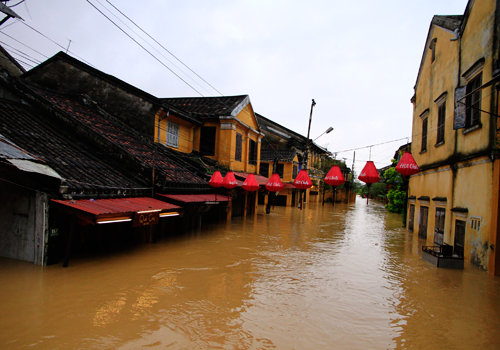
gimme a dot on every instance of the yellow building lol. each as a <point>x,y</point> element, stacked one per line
<point>223,129</point>
<point>288,149</point>
<point>454,199</point>
<point>228,131</point>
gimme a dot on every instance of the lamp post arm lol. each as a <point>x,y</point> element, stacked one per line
<point>313,103</point>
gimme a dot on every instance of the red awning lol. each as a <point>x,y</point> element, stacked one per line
<point>101,211</point>
<point>196,198</point>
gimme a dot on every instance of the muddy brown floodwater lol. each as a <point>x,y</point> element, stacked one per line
<point>343,277</point>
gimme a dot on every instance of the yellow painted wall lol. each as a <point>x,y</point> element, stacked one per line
<point>466,184</point>
<point>247,117</point>
<point>436,78</point>
<point>186,131</point>
<point>244,124</point>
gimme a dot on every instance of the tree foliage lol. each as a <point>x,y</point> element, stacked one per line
<point>396,194</point>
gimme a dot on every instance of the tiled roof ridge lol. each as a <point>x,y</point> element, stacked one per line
<point>198,109</point>
<point>147,151</point>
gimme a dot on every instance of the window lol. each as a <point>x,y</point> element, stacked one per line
<point>252,156</point>
<point>239,144</point>
<point>207,140</point>
<point>441,121</point>
<point>473,102</point>
<point>294,171</point>
<point>172,135</point>
<point>264,169</point>
<point>422,227</point>
<point>424,135</point>
<point>439,229</point>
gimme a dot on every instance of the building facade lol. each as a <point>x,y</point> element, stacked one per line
<point>454,198</point>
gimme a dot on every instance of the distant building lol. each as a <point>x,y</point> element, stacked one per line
<point>455,198</point>
<point>287,149</point>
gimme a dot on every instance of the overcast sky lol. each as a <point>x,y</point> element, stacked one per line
<point>358,59</point>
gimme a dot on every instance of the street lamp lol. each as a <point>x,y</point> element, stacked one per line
<point>326,132</point>
<point>306,158</point>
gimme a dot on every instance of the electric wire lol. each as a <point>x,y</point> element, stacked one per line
<point>152,47</point>
<point>156,58</point>
<point>12,38</point>
<point>54,42</point>
<point>20,2</point>
<point>163,47</point>
<point>22,54</point>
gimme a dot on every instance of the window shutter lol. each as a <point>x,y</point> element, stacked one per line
<point>459,119</point>
<point>173,135</point>
<point>239,144</point>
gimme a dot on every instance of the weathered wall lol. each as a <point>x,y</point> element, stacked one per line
<point>460,169</point>
<point>136,111</point>
<point>436,78</point>
<point>22,217</point>
<point>6,63</point>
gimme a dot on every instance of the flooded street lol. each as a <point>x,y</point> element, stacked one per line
<point>344,277</point>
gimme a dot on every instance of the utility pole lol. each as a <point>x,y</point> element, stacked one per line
<point>306,158</point>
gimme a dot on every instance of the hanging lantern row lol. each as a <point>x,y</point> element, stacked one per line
<point>369,175</point>
<point>407,165</point>
<point>250,183</point>
<point>229,181</point>
<point>274,184</point>
<point>216,179</point>
<point>334,177</point>
<point>302,181</point>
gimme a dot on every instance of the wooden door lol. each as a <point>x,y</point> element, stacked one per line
<point>422,227</point>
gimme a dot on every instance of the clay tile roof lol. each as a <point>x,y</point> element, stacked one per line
<point>283,155</point>
<point>207,107</point>
<point>131,143</point>
<point>449,22</point>
<point>79,164</point>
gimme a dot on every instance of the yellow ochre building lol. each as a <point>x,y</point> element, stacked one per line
<point>455,198</point>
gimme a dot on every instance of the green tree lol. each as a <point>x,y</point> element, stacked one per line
<point>396,194</point>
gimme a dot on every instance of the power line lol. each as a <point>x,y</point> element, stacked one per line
<point>378,144</point>
<point>164,48</point>
<point>23,44</point>
<point>156,58</point>
<point>62,47</point>
<point>22,54</point>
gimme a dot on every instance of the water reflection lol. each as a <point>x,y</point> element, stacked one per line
<point>346,277</point>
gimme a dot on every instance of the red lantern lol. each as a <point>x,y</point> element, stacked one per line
<point>250,183</point>
<point>302,181</point>
<point>334,176</point>
<point>216,180</point>
<point>407,165</point>
<point>229,181</point>
<point>274,184</point>
<point>369,174</point>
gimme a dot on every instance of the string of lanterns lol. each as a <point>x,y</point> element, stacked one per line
<point>369,175</point>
